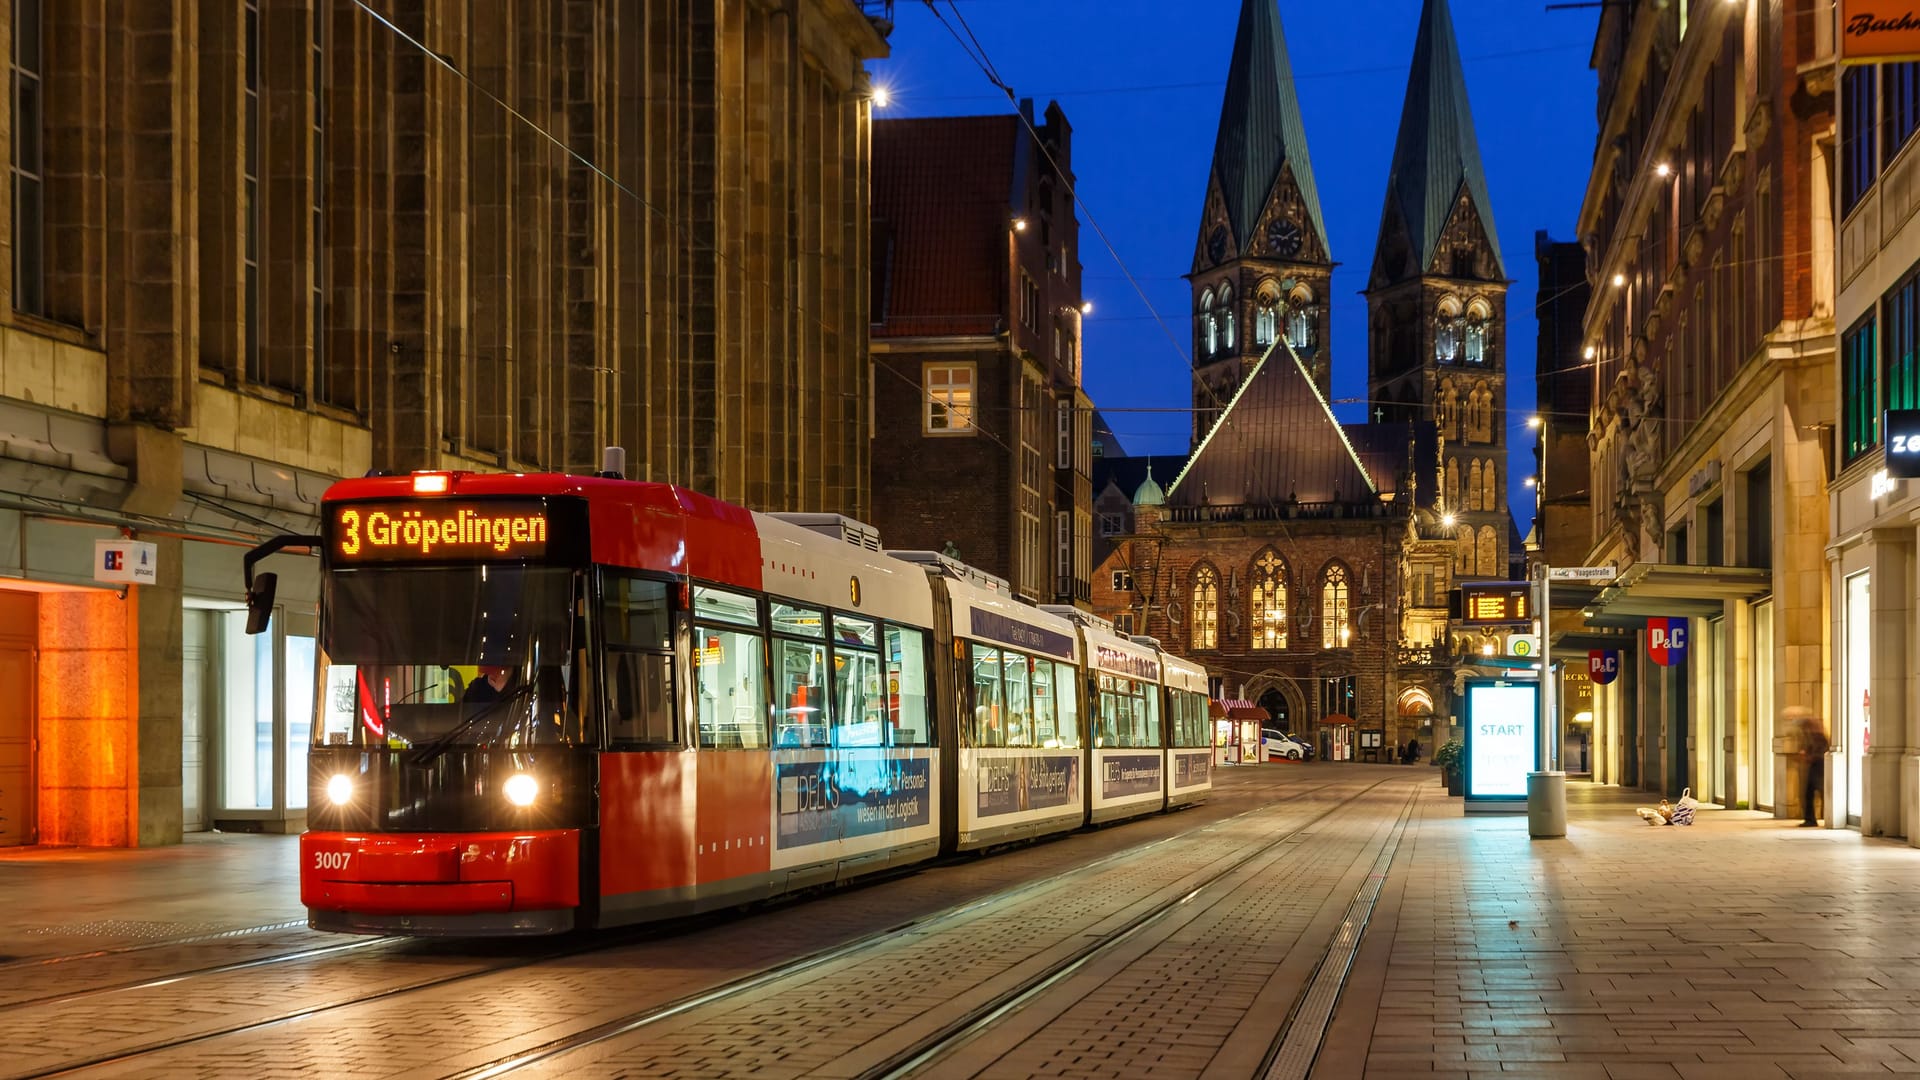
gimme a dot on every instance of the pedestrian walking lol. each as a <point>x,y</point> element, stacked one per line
<point>1813,757</point>
<point>1413,752</point>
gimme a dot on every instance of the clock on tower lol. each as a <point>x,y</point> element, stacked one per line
<point>1283,236</point>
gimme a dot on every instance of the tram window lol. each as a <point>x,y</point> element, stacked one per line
<point>1015,670</point>
<point>860,708</point>
<point>987,702</point>
<point>848,630</point>
<point>1044,731</point>
<point>1148,703</point>
<point>729,692</point>
<point>907,686</point>
<point>640,686</point>
<point>634,612</point>
<point>1066,680</point>
<point>721,605</point>
<point>799,621</point>
<point>801,668</point>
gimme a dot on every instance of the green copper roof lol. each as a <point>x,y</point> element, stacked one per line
<point>1436,152</point>
<point>1260,126</point>
<point>1149,493</point>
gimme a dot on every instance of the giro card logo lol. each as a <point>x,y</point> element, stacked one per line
<point>1603,665</point>
<point>1667,641</point>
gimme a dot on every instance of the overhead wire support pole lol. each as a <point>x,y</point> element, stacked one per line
<point>1546,785</point>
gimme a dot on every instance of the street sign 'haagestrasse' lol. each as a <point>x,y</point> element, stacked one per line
<point>1588,574</point>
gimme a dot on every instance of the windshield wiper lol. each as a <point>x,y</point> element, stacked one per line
<point>433,748</point>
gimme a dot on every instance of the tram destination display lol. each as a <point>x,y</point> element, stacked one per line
<point>1495,603</point>
<point>438,530</point>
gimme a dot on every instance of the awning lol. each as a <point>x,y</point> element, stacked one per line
<point>1647,590</point>
<point>1574,646</point>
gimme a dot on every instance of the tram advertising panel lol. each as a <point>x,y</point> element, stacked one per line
<point>1501,744</point>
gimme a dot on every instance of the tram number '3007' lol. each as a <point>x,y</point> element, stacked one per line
<point>331,860</point>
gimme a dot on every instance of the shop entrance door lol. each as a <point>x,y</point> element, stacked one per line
<point>193,719</point>
<point>19,633</point>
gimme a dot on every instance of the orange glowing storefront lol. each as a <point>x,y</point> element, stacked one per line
<point>130,715</point>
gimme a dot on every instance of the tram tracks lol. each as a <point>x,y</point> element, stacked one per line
<point>216,1034</point>
<point>952,1033</point>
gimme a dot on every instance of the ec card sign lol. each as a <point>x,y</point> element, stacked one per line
<point>125,562</point>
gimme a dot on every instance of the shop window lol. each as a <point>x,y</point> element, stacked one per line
<point>1860,391</point>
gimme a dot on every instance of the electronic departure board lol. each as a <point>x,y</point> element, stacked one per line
<point>1495,603</point>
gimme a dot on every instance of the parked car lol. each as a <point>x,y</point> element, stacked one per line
<point>1279,744</point>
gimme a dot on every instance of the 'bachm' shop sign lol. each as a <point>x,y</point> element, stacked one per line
<point>1875,31</point>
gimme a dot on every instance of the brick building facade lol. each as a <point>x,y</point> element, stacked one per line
<point>983,433</point>
<point>1305,561</point>
<point>254,245</point>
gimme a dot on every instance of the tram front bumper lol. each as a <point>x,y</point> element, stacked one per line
<point>440,873</point>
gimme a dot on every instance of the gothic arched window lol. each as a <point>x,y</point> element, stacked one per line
<point>1266,319</point>
<point>1474,487</point>
<point>1206,608</point>
<point>1269,601</point>
<point>1477,315</point>
<point>1229,330</point>
<point>1336,627</point>
<point>1491,498</point>
<point>1464,561</point>
<point>1208,331</point>
<point>1453,485</point>
<point>1446,331</point>
<point>1490,553</point>
<point>1302,317</point>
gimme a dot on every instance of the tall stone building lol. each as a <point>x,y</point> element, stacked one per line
<point>983,434</point>
<point>1708,229</point>
<point>1307,562</point>
<point>1262,268</point>
<point>255,245</point>
<point>1437,300</point>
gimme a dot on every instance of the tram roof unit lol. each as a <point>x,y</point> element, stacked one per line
<point>1080,617</point>
<point>840,571</point>
<point>983,612</point>
<point>953,569</point>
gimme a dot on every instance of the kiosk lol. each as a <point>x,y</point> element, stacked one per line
<point>1502,718</point>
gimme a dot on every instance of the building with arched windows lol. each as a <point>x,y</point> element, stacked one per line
<point>1306,561</point>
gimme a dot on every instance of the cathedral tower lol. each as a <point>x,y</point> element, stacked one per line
<point>1261,267</point>
<point>1437,301</point>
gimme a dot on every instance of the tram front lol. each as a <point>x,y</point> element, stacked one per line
<point>451,769</point>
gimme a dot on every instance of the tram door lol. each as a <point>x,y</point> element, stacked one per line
<point>19,631</point>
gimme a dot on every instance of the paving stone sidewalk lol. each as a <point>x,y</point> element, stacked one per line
<point>1740,947</point>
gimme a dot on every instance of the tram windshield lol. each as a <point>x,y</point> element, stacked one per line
<point>449,656</point>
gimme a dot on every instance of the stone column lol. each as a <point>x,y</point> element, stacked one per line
<point>1890,557</point>
<point>158,701</point>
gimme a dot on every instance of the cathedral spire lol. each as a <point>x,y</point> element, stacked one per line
<point>1260,127</point>
<point>1436,157</point>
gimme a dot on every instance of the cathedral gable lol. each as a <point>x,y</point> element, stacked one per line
<point>1463,250</point>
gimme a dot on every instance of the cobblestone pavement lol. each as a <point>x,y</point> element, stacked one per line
<point>1739,947</point>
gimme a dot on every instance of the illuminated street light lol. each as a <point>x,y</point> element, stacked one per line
<point>1086,307</point>
<point>1619,280</point>
<point>1448,519</point>
<point>1663,170</point>
<point>1535,422</point>
<point>1590,351</point>
<point>881,97</point>
<point>1019,224</point>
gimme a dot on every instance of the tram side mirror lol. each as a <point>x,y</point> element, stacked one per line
<point>260,602</point>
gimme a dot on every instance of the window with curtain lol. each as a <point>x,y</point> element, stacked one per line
<point>1206,608</point>
<point>1269,601</point>
<point>1336,628</point>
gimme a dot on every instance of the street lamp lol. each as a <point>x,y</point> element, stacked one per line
<point>1547,788</point>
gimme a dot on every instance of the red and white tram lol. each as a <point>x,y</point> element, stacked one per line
<point>549,702</point>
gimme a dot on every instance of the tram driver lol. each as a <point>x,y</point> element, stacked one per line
<point>490,686</point>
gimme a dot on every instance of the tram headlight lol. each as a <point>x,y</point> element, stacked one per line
<point>521,789</point>
<point>339,789</point>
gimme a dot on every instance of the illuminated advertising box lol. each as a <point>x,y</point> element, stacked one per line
<point>1502,741</point>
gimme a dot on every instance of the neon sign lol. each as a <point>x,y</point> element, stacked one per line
<point>437,529</point>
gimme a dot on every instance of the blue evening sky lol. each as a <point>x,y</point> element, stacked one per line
<point>1141,83</point>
